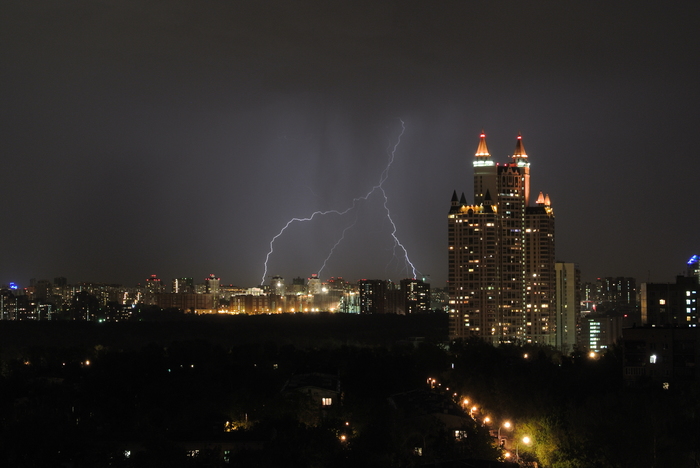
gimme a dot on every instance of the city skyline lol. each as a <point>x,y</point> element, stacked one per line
<point>178,140</point>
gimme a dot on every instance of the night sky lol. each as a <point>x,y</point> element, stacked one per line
<point>178,137</point>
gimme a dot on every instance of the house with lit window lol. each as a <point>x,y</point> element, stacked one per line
<point>666,355</point>
<point>323,390</point>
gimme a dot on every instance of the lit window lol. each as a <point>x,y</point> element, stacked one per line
<point>652,359</point>
<point>326,401</point>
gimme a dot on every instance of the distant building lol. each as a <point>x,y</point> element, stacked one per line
<point>212,284</point>
<point>226,291</point>
<point>669,303</point>
<point>661,354</point>
<point>298,286</point>
<point>8,305</point>
<point>250,304</point>
<point>314,284</point>
<point>568,300</point>
<point>373,296</point>
<point>439,299</point>
<point>277,286</point>
<point>337,284</point>
<point>60,281</point>
<point>415,296</point>
<point>192,303</point>
<point>620,291</point>
<point>42,290</point>
<point>600,332</point>
<point>154,285</point>
<point>183,286</point>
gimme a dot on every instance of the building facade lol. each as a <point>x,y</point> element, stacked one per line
<point>661,354</point>
<point>567,306</point>
<point>501,255</point>
<point>373,296</point>
<point>676,304</point>
<point>414,296</point>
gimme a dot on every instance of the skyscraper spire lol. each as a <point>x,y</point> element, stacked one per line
<point>519,155</point>
<point>483,157</point>
<point>482,150</point>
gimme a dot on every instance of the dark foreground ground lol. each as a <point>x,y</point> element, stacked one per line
<point>220,391</point>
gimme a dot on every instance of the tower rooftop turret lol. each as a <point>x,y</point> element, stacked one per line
<point>519,155</point>
<point>483,157</point>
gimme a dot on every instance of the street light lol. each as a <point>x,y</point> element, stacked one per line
<point>507,425</point>
<point>526,441</point>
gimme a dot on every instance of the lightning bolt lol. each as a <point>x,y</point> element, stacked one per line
<point>397,243</point>
<point>330,254</point>
<point>379,187</point>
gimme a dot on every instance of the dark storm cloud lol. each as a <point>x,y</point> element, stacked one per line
<point>178,137</point>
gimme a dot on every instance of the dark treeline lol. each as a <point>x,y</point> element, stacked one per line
<point>146,394</point>
<point>163,327</point>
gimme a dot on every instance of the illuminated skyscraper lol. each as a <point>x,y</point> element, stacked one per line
<point>154,285</point>
<point>373,297</point>
<point>415,296</point>
<point>183,286</point>
<point>501,255</point>
<point>212,284</point>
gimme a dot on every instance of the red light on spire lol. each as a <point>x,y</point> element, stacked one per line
<point>520,137</point>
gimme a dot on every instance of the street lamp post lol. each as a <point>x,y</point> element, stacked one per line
<point>507,425</point>
<point>526,441</point>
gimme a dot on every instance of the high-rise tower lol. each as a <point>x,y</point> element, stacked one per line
<point>501,255</point>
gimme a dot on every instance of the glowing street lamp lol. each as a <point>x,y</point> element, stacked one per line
<point>526,440</point>
<point>507,425</point>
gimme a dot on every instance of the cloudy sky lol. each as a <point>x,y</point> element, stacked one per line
<point>178,138</point>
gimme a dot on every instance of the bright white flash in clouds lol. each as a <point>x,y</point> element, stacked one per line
<point>377,188</point>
